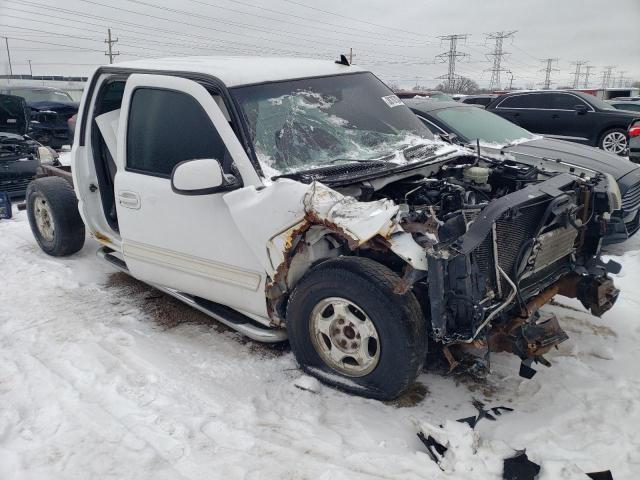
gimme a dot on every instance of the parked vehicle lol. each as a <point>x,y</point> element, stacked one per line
<point>465,125</point>
<point>432,94</point>
<point>302,198</point>
<point>628,105</point>
<point>482,100</point>
<point>20,155</point>
<point>50,111</point>
<point>567,115</point>
<point>634,141</point>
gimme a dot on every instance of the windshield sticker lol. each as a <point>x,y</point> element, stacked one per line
<point>392,101</point>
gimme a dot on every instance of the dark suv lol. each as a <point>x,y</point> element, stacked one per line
<point>567,115</point>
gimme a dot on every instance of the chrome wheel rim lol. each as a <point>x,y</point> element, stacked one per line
<point>345,337</point>
<point>615,142</point>
<point>44,219</point>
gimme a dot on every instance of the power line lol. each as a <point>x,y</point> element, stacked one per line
<point>497,54</point>
<point>451,57</point>
<point>547,71</point>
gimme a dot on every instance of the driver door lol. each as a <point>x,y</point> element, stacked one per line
<point>186,242</point>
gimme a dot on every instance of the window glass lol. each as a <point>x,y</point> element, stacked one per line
<point>532,100</point>
<point>628,106</point>
<point>564,101</point>
<point>166,128</point>
<point>299,125</point>
<point>471,123</point>
<point>41,95</point>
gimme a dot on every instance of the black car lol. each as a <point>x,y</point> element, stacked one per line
<point>628,105</point>
<point>483,100</point>
<point>567,115</point>
<point>20,155</point>
<point>466,124</point>
<point>50,111</point>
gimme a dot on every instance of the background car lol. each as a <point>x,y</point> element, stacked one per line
<point>50,110</point>
<point>432,94</point>
<point>482,100</point>
<point>628,105</point>
<point>634,141</point>
<point>465,124</point>
<point>567,115</point>
<point>20,155</point>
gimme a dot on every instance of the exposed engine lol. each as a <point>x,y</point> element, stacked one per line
<point>498,237</point>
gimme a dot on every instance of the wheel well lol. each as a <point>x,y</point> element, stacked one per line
<point>607,129</point>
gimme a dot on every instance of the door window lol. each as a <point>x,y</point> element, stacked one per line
<point>167,127</point>
<point>531,100</point>
<point>564,101</point>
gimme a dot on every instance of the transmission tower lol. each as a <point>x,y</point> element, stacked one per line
<point>451,57</point>
<point>621,78</point>
<point>577,73</point>
<point>548,63</point>
<point>587,74</point>
<point>606,75</point>
<point>497,54</point>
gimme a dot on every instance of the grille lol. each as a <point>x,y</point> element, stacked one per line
<point>634,225</point>
<point>631,199</point>
<point>15,186</point>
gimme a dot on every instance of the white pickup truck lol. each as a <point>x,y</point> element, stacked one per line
<point>302,199</point>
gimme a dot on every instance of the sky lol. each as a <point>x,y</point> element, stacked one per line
<point>399,41</point>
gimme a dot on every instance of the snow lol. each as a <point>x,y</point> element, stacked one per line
<point>102,377</point>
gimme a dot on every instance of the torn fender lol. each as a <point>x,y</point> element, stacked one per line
<point>270,217</point>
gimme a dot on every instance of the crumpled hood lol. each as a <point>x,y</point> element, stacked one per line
<point>588,157</point>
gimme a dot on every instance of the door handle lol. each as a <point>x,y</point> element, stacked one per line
<point>129,199</point>
<point>516,114</point>
<point>555,115</point>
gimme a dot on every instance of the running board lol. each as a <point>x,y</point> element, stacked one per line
<point>225,315</point>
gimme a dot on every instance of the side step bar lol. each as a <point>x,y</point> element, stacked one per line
<point>225,315</point>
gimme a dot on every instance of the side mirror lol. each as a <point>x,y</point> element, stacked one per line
<point>581,109</point>
<point>200,177</point>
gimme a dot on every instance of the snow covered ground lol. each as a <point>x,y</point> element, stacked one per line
<point>103,377</point>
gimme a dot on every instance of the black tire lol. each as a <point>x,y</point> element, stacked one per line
<point>617,132</point>
<point>398,320</point>
<point>59,200</point>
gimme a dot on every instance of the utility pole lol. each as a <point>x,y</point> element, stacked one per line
<point>606,75</point>
<point>587,74</point>
<point>351,55</point>
<point>621,78</point>
<point>451,56</point>
<point>547,71</point>
<point>577,74</point>
<point>510,80</point>
<point>6,41</point>
<point>497,54</point>
<point>30,69</point>
<point>110,42</point>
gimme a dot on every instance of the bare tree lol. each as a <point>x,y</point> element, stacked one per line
<point>460,85</point>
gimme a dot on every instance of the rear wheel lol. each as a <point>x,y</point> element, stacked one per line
<point>347,328</point>
<point>52,209</point>
<point>614,141</point>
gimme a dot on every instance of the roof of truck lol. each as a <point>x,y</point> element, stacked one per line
<point>234,71</point>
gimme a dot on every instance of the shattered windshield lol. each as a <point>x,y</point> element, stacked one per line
<point>305,124</point>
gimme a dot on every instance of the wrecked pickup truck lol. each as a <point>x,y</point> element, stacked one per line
<point>302,199</point>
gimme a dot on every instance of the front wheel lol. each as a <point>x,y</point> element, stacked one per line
<point>348,328</point>
<point>614,141</point>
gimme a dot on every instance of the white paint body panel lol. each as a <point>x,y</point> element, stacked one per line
<point>189,243</point>
<point>234,71</point>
